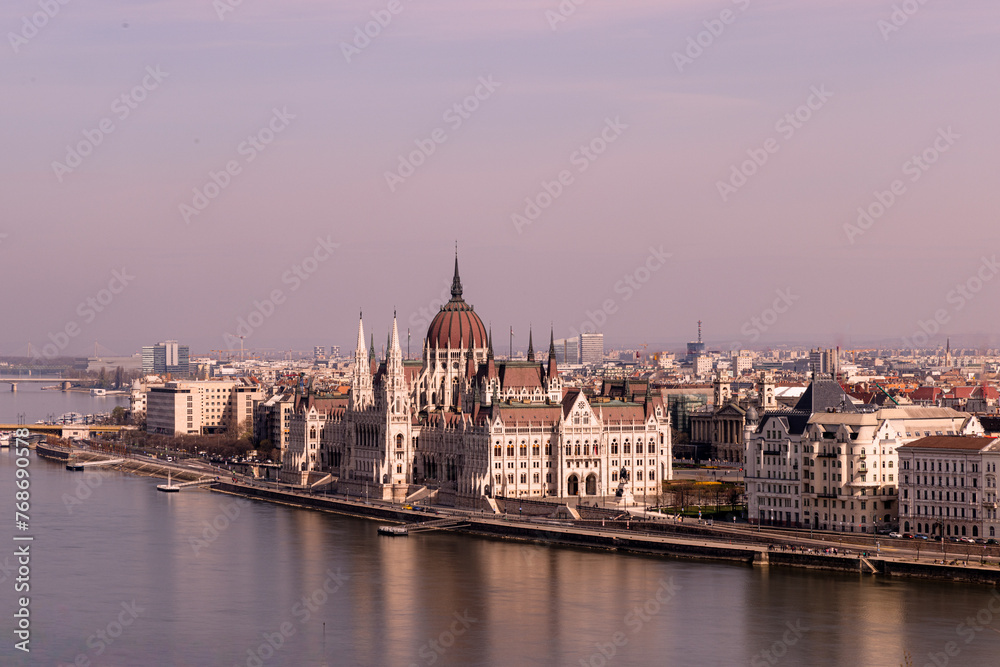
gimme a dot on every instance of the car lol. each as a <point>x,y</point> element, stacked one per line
<point>908,536</point>
<point>968,540</point>
<point>992,541</point>
<point>954,538</point>
<point>894,535</point>
<point>920,536</point>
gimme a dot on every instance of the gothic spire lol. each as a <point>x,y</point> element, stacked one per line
<point>394,340</point>
<point>552,342</point>
<point>361,335</point>
<point>456,282</point>
<point>531,347</point>
<point>489,353</point>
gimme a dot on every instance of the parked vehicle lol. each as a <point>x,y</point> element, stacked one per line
<point>894,535</point>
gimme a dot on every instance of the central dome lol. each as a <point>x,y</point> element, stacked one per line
<point>456,325</point>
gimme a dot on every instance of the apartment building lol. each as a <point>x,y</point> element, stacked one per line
<point>201,407</point>
<point>948,486</point>
<point>833,465</point>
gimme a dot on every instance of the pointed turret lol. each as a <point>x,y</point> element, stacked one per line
<point>456,282</point>
<point>361,390</point>
<point>531,347</point>
<point>553,370</point>
<point>470,369</point>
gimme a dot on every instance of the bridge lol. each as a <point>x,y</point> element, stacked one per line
<point>57,429</point>
<point>49,380</point>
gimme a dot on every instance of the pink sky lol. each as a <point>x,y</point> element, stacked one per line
<point>343,125</point>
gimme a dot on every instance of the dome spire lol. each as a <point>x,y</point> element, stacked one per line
<point>456,282</point>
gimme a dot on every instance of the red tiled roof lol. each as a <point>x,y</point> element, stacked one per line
<point>516,376</point>
<point>949,442</point>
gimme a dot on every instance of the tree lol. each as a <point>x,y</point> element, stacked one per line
<point>118,415</point>
<point>118,378</point>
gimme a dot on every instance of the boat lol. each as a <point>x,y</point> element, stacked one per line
<point>98,392</point>
<point>168,487</point>
<point>393,531</point>
<point>5,439</point>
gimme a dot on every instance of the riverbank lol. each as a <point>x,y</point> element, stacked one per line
<point>627,536</point>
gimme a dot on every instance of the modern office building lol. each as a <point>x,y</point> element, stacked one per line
<point>201,407</point>
<point>591,349</point>
<point>165,357</point>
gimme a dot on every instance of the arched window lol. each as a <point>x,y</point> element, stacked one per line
<point>497,450</point>
<point>399,441</point>
<point>523,449</point>
<point>534,448</point>
<point>510,448</point>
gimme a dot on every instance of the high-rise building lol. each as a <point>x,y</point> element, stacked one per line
<point>165,357</point>
<point>824,361</point>
<point>568,350</point>
<point>591,349</point>
<point>695,348</point>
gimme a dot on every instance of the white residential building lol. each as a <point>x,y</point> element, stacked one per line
<point>949,486</point>
<point>828,465</point>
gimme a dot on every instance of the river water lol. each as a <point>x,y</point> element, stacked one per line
<point>35,403</point>
<point>121,574</point>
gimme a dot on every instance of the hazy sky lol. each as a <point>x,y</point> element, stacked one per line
<point>348,159</point>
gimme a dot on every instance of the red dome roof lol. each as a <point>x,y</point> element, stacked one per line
<point>456,324</point>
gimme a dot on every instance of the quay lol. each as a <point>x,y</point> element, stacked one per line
<point>632,536</point>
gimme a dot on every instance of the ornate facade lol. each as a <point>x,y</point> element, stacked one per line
<point>463,423</point>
